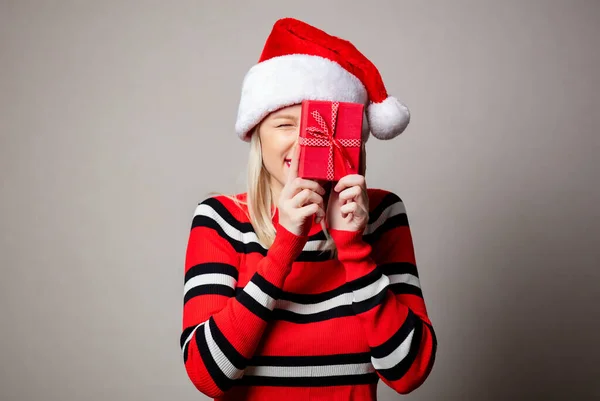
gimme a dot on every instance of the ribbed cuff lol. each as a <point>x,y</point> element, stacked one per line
<point>354,253</point>
<point>350,245</point>
<point>286,247</point>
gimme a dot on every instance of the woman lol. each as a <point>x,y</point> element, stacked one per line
<point>304,289</point>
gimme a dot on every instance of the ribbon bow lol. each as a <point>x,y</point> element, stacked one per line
<point>322,136</point>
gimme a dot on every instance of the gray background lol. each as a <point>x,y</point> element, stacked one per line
<point>117,117</point>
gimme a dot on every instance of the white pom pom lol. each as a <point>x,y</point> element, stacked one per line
<point>388,119</point>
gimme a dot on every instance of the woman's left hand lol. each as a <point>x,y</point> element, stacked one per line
<point>348,204</point>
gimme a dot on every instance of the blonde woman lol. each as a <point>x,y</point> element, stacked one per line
<point>304,289</point>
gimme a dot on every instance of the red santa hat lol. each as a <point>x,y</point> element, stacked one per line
<point>301,62</point>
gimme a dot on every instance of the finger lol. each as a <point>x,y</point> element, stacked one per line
<point>351,193</point>
<point>293,170</point>
<point>350,180</point>
<point>302,183</point>
<point>320,213</point>
<point>301,198</point>
<point>308,210</point>
<point>351,207</point>
<point>292,189</point>
<point>307,196</point>
<point>314,199</point>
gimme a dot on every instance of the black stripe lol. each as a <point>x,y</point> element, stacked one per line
<point>365,280</point>
<point>205,221</point>
<point>403,288</point>
<point>390,269</point>
<point>387,201</point>
<point>399,336</point>
<point>398,371</point>
<point>310,360</point>
<point>308,299</point>
<point>368,304</point>
<point>339,311</point>
<point>221,209</point>
<point>223,382</point>
<point>255,247</point>
<point>433,349</point>
<point>185,353</point>
<point>288,316</point>
<point>253,306</point>
<point>210,268</point>
<point>237,359</point>
<point>209,289</point>
<point>266,286</point>
<point>185,334</point>
<point>305,256</point>
<point>399,268</point>
<point>397,220</point>
<point>345,380</point>
<point>246,227</point>
<point>361,282</point>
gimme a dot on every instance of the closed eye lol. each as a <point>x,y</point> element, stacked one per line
<point>285,125</point>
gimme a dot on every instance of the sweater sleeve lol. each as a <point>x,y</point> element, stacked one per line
<point>221,330</point>
<point>388,300</point>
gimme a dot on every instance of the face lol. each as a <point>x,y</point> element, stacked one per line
<point>279,133</point>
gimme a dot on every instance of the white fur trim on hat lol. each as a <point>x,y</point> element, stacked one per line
<point>388,119</point>
<point>288,80</point>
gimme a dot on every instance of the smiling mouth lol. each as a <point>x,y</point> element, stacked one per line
<point>288,162</point>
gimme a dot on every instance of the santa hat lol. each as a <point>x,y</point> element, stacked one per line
<point>301,62</point>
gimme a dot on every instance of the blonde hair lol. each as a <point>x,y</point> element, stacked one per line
<point>259,200</point>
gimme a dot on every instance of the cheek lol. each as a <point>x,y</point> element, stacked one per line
<point>270,156</point>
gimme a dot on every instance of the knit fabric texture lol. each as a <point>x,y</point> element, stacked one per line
<point>289,322</point>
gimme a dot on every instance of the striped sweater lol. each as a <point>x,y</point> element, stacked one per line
<point>291,322</point>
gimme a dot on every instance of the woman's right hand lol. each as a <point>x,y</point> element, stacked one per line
<point>300,200</point>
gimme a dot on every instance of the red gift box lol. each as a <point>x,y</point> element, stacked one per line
<point>330,139</point>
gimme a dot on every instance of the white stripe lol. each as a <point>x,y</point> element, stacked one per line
<point>210,278</point>
<point>249,237</point>
<point>307,309</point>
<point>406,278</point>
<point>310,371</point>
<point>314,245</point>
<point>346,298</point>
<point>391,211</point>
<point>259,295</point>
<point>190,337</point>
<point>311,245</point>
<point>220,359</point>
<point>230,231</point>
<point>396,356</point>
<point>372,289</point>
